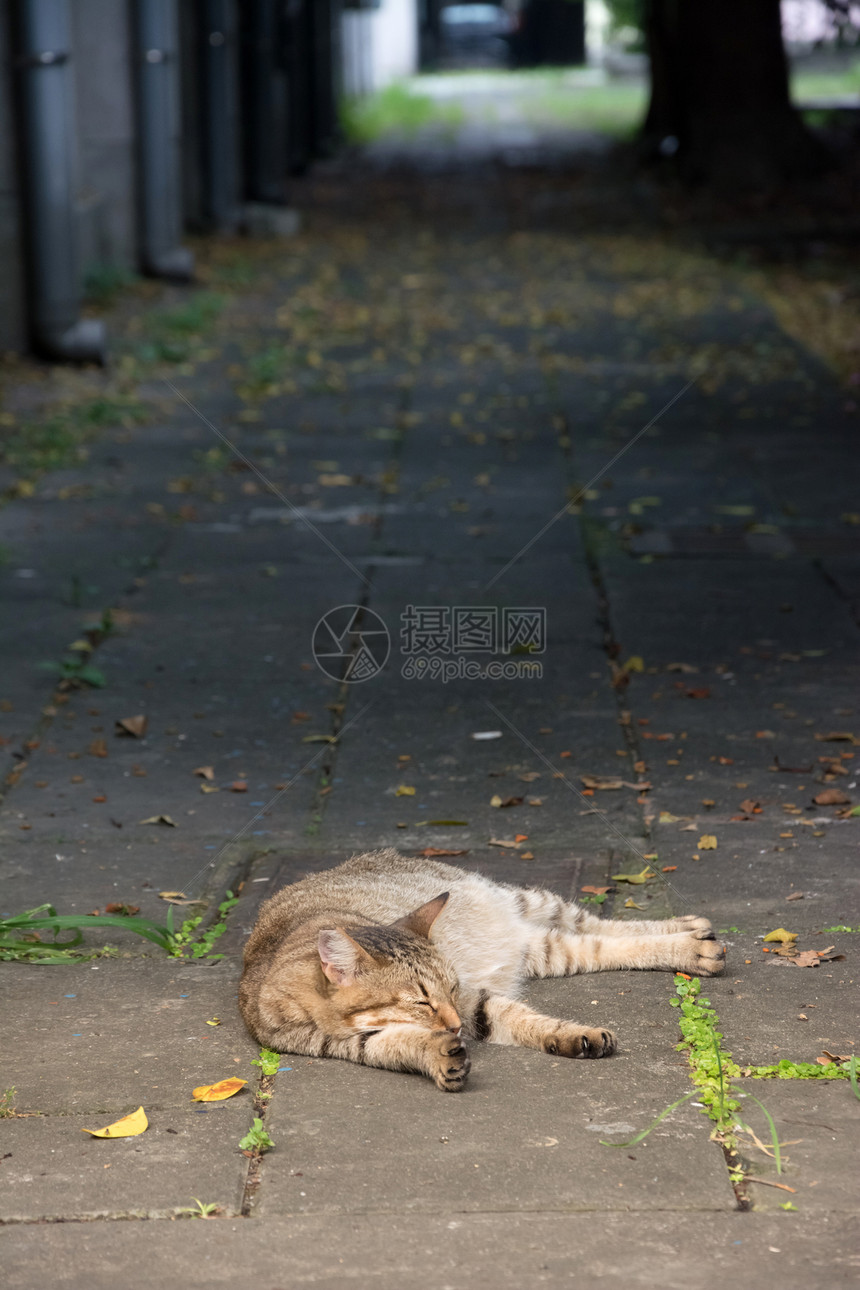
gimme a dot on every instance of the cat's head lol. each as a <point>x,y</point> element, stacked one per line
<point>390,975</point>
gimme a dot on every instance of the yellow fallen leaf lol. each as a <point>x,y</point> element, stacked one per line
<point>636,878</point>
<point>707,842</point>
<point>630,903</point>
<point>635,663</point>
<point>172,895</point>
<point>128,1127</point>
<point>209,788</point>
<point>666,817</point>
<point>218,1092</point>
<point>214,1021</point>
<point>495,800</point>
<point>405,790</point>
<point>159,819</point>
<point>780,934</point>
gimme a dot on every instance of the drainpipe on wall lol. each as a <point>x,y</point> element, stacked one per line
<point>156,56</point>
<point>43,45</point>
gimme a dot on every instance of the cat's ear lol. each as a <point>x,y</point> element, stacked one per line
<point>342,958</point>
<point>420,920</point>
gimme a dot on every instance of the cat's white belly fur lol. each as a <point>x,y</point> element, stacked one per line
<point>483,935</point>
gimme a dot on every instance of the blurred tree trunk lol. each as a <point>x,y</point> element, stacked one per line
<point>720,96</point>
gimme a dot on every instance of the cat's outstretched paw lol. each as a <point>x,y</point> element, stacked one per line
<point>693,923</point>
<point>702,954</point>
<point>580,1041</point>
<point>451,1064</point>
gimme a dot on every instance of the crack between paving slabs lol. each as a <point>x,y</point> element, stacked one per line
<point>19,760</point>
<point>611,648</point>
<point>324,785</point>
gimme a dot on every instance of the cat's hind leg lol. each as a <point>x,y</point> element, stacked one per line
<point>501,1020</point>
<point>559,953</point>
<point>546,909</point>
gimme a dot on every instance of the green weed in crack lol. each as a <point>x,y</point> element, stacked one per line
<point>187,943</point>
<point>713,1070</point>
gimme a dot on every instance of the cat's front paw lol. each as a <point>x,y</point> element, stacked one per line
<point>580,1041</point>
<point>702,954</point>
<point>450,1061</point>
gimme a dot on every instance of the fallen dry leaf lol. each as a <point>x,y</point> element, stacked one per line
<point>795,895</point>
<point>503,842</point>
<point>218,1092</point>
<point>707,842</point>
<point>608,782</point>
<point>681,667</point>
<point>98,748</point>
<point>209,788</point>
<point>128,1127</point>
<point>630,903</point>
<point>529,776</point>
<point>320,739</point>
<point>526,855</point>
<point>443,851</point>
<point>500,802</point>
<point>635,878</point>
<point>837,736</point>
<point>119,907</point>
<point>133,726</point>
<point>596,891</point>
<point>404,790</point>
<point>666,817</point>
<point>806,959</point>
<point>834,1057</point>
<point>239,786</point>
<point>205,772</point>
<point>750,806</point>
<point>780,934</point>
<point>669,868</point>
<point>159,819</point>
<point>172,895</point>
<point>831,797</point>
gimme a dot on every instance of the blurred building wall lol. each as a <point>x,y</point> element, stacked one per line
<point>379,45</point>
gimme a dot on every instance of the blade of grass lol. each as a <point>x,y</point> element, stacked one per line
<point>661,1116</point>
<point>852,1075</point>
<point>773,1134</point>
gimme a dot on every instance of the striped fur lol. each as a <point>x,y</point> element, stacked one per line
<point>387,961</point>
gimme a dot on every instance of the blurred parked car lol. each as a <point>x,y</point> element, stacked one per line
<point>475,34</point>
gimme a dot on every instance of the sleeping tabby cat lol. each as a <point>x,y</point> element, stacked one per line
<point>388,961</point>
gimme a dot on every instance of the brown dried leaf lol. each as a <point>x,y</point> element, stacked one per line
<point>807,958</point>
<point>98,748</point>
<point>443,851</point>
<point>831,797</point>
<point>132,726</point>
<point>205,772</point>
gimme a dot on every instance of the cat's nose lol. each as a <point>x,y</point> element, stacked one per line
<point>450,1019</point>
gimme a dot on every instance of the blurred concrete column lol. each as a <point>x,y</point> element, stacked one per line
<point>219,103</point>
<point>156,58</point>
<point>47,128</point>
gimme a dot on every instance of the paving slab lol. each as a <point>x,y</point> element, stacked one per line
<point>53,1170</point>
<point>520,1136</point>
<point>818,1121</point>
<point>110,1036</point>
<point>436,1252</point>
